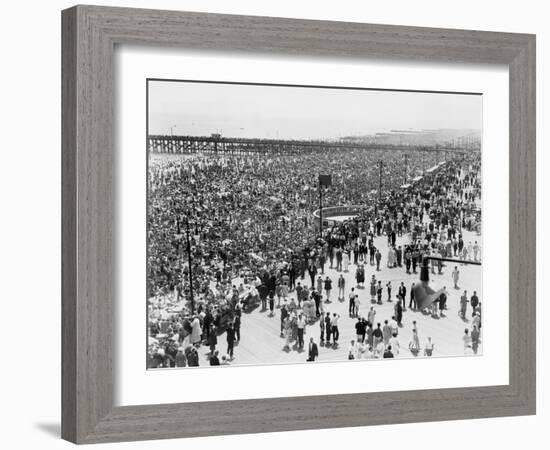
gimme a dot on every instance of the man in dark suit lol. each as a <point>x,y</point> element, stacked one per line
<point>402,294</point>
<point>230,340</point>
<point>313,351</point>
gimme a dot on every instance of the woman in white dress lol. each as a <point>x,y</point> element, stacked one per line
<point>390,257</point>
<point>345,260</point>
<point>196,331</point>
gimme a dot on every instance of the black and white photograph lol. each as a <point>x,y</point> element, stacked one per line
<point>299,224</point>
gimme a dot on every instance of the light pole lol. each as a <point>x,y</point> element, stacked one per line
<point>380,163</point>
<point>324,180</point>
<point>320,208</point>
<point>189,261</point>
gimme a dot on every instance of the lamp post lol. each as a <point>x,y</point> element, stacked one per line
<point>189,261</point>
<point>324,180</point>
<point>320,208</point>
<point>380,164</point>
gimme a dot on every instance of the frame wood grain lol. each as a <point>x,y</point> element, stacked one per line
<point>89,37</point>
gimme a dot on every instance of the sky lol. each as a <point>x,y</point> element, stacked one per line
<point>282,112</point>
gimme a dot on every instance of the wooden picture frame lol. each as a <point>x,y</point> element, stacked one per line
<point>90,34</point>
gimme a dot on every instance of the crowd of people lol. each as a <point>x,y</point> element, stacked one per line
<point>252,240</point>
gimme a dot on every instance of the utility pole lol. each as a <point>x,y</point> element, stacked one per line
<point>380,163</point>
<point>190,268</point>
<point>406,168</point>
<point>320,209</point>
<point>324,181</point>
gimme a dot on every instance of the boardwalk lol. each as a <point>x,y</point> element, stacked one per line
<point>260,334</point>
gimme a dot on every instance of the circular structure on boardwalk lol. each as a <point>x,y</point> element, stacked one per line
<point>337,214</point>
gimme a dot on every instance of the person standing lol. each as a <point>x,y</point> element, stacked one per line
<point>287,332</point>
<point>284,315</point>
<point>352,302</point>
<point>460,245</point>
<point>319,284</point>
<point>429,348</point>
<point>476,251</point>
<point>386,332</point>
<point>455,275</point>
<point>318,304</point>
<point>378,336</point>
<point>370,335</point>
<point>341,287</point>
<point>378,257</point>
<point>271,303</point>
<point>328,288</point>
<point>312,270</point>
<point>345,260</point>
<point>334,326</point>
<point>357,305</point>
<point>339,259</point>
<point>463,304</point>
<point>322,327</point>
<point>399,256</point>
<point>263,291</point>
<point>196,331</point>
<point>414,256</point>
<point>292,276</point>
<point>475,339</point>
<point>322,262</point>
<point>212,339</point>
<point>372,289</point>
<point>474,301</point>
<point>237,327</point>
<point>398,313</point>
<point>379,292</point>
<point>443,300</point>
<point>313,350</point>
<point>301,325</point>
<point>402,292</point>
<point>328,327</point>
<point>230,340</point>
<point>394,326</point>
<point>299,289</point>
<point>360,330</point>
<point>414,343</point>
<point>412,301</point>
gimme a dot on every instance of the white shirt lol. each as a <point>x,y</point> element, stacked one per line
<point>394,345</point>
